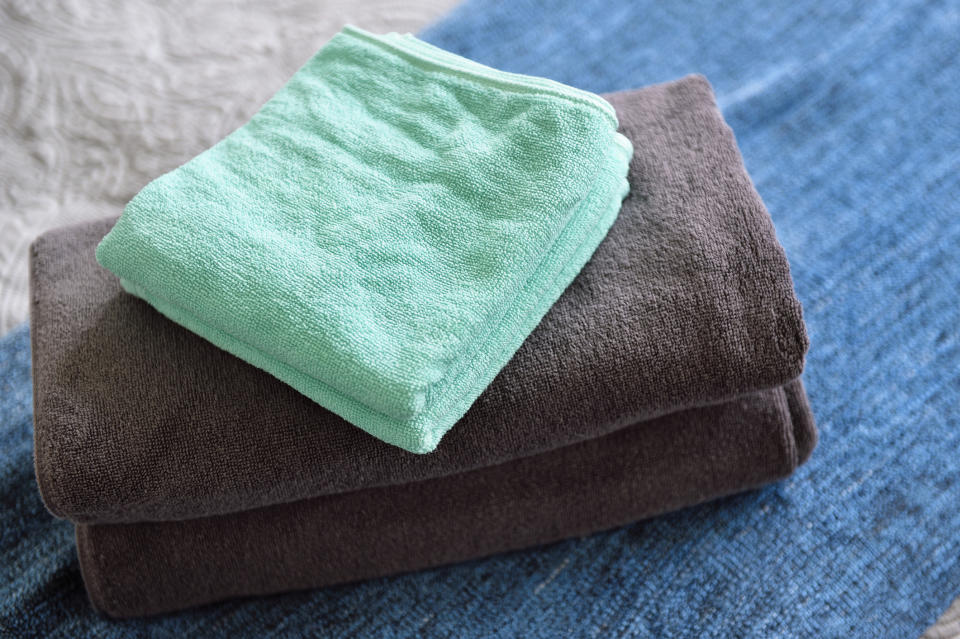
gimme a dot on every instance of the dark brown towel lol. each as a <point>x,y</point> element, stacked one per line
<point>687,302</point>
<point>685,311</point>
<point>643,470</point>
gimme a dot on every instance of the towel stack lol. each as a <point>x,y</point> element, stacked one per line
<point>400,241</point>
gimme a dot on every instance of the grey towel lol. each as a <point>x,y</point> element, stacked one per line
<point>687,302</point>
<point>640,471</point>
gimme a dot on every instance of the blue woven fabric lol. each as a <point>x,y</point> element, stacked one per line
<point>849,122</point>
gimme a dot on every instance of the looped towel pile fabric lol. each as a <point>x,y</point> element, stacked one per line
<point>385,232</point>
<point>665,375</point>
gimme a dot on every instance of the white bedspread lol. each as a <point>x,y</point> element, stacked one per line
<point>98,97</point>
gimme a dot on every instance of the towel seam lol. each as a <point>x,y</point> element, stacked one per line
<point>482,74</point>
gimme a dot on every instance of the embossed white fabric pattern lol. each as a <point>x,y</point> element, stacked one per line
<point>97,98</point>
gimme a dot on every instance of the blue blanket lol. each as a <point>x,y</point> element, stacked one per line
<point>849,120</point>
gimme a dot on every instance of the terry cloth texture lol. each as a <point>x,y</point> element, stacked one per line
<point>846,116</point>
<point>644,470</point>
<point>385,232</point>
<point>687,302</point>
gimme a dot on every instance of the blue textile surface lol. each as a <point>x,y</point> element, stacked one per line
<point>849,120</point>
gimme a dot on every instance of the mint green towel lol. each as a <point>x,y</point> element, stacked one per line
<point>385,232</point>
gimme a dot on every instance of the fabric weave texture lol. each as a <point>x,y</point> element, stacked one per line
<point>846,116</point>
<point>687,302</point>
<point>385,232</point>
<point>652,467</point>
<point>692,209</point>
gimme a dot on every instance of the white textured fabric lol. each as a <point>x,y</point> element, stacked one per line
<point>99,97</point>
<point>947,626</point>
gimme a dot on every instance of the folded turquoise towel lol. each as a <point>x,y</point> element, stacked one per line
<point>385,232</point>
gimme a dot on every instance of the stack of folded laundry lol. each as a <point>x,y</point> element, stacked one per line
<point>414,321</point>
